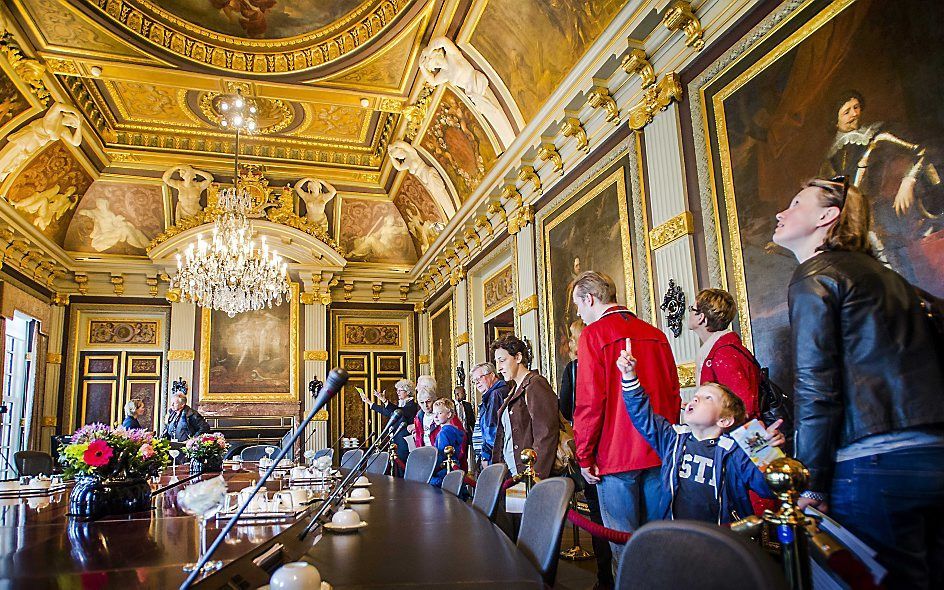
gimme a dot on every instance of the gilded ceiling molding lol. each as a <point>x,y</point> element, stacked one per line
<point>600,97</point>
<point>253,56</point>
<point>404,292</point>
<point>461,339</point>
<point>656,98</point>
<point>416,113</point>
<point>29,70</point>
<point>527,305</point>
<point>510,192</point>
<point>81,283</point>
<point>495,209</point>
<point>527,174</point>
<point>679,226</point>
<point>118,284</point>
<point>636,62</point>
<point>680,17</point>
<point>482,222</point>
<point>375,290</point>
<point>520,218</point>
<point>456,276</point>
<point>152,285</point>
<point>60,299</point>
<point>572,127</point>
<point>548,152</point>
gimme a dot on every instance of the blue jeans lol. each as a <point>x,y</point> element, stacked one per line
<point>628,500</point>
<point>894,502</point>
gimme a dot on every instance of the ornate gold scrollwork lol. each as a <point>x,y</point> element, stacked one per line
<point>510,192</point>
<point>404,291</point>
<point>527,305</point>
<point>636,62</point>
<point>496,208</point>
<point>315,355</point>
<point>572,127</point>
<point>118,284</point>
<point>527,174</point>
<point>30,70</point>
<point>520,218</point>
<point>456,276</point>
<point>548,152</point>
<point>679,16</point>
<point>600,97</point>
<point>461,339</point>
<point>656,98</point>
<point>181,355</point>
<point>81,281</point>
<point>681,225</point>
<point>482,222</point>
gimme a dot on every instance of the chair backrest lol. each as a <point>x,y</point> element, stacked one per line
<point>33,463</point>
<point>421,464</point>
<point>453,481</point>
<point>488,489</point>
<point>255,452</point>
<point>715,559</point>
<point>351,457</point>
<point>323,453</point>
<point>378,463</point>
<point>542,523</point>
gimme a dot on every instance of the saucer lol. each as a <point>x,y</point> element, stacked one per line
<point>362,485</point>
<point>337,528</point>
<point>351,500</point>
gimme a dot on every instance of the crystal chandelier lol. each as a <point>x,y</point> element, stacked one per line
<point>229,272</point>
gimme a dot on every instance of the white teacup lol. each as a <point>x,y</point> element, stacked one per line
<point>346,517</point>
<point>282,502</point>
<point>299,496</point>
<point>362,480</point>
<point>297,575</point>
<point>299,473</point>
<point>360,494</point>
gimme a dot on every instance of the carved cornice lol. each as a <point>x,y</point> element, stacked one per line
<point>527,174</point>
<point>548,152</point>
<point>29,70</point>
<point>520,218</point>
<point>181,355</point>
<point>599,97</point>
<point>679,16</point>
<point>118,283</point>
<point>252,56</point>
<point>636,62</point>
<point>527,305</point>
<point>656,98</point>
<point>679,226</point>
<point>571,127</point>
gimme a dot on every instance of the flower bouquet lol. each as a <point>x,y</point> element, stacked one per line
<point>206,452</point>
<point>110,466</point>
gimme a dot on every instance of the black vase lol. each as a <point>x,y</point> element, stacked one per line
<point>93,497</point>
<point>211,465</point>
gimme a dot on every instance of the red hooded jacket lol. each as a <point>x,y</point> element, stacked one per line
<point>730,363</point>
<point>418,435</point>
<point>604,434</point>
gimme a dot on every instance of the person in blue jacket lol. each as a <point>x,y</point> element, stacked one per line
<point>705,475</point>
<point>449,436</point>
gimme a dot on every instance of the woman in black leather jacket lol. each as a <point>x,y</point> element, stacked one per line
<point>869,385</point>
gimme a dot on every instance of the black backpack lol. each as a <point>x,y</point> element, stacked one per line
<point>774,402</point>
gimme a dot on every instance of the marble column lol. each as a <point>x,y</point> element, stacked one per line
<point>315,313</point>
<point>182,351</point>
<point>422,340</point>
<point>460,302</point>
<point>55,330</point>
<point>526,308</point>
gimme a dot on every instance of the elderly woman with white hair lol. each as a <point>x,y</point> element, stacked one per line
<point>407,405</point>
<point>134,409</point>
<point>425,428</point>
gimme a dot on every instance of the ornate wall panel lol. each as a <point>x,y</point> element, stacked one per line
<point>116,218</point>
<point>124,332</point>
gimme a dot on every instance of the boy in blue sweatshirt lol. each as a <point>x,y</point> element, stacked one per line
<point>705,475</point>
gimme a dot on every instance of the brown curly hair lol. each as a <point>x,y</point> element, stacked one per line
<point>513,345</point>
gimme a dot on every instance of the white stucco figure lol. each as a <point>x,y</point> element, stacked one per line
<point>110,228</point>
<point>188,188</point>
<point>316,194</point>
<point>443,62</point>
<point>424,231</point>
<point>376,241</point>
<point>60,122</point>
<point>48,205</point>
<point>404,156</point>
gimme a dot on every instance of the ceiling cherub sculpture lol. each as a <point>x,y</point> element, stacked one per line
<point>60,122</point>
<point>404,157</point>
<point>443,62</point>
<point>191,185</point>
<point>316,194</point>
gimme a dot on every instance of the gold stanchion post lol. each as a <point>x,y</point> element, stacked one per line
<point>450,462</point>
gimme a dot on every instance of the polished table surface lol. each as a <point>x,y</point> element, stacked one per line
<point>417,536</point>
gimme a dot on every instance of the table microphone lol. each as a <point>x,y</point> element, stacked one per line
<point>353,474</point>
<point>333,384</point>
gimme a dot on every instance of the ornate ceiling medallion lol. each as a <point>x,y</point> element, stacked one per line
<point>249,51</point>
<point>273,115</point>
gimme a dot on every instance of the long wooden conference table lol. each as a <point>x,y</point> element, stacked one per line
<point>416,536</point>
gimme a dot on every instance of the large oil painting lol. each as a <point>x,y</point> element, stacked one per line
<point>459,143</point>
<point>252,357</point>
<point>533,44</point>
<point>827,95</point>
<point>588,229</point>
<point>261,19</point>
<point>374,231</point>
<point>45,193</point>
<point>442,349</point>
<point>116,218</point>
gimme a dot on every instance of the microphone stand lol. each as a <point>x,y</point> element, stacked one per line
<point>333,383</point>
<point>355,472</point>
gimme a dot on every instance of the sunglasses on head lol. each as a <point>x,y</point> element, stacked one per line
<point>839,184</point>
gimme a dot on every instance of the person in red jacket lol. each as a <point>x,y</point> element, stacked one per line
<point>426,429</point>
<point>611,453</point>
<point>722,358</point>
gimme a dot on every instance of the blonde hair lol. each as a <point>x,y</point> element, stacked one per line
<point>598,284</point>
<point>131,408</point>
<point>445,403</point>
<point>731,405</point>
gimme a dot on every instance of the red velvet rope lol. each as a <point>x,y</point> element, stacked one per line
<point>400,464</point>
<point>508,483</point>
<point>469,481</point>
<point>597,530</point>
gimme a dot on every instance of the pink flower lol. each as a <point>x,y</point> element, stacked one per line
<point>147,451</point>
<point>98,453</point>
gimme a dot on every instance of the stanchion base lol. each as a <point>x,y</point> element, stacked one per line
<point>576,553</point>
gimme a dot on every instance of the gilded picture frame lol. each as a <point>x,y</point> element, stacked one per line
<point>442,348</point>
<point>754,146</point>
<point>605,191</point>
<point>209,350</point>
